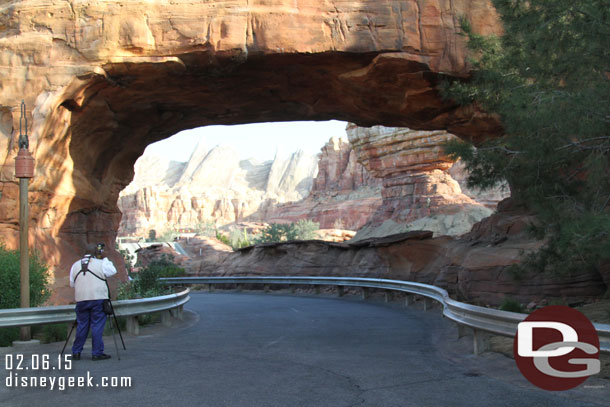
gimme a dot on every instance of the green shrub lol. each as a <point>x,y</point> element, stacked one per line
<point>239,238</point>
<point>8,335</point>
<point>304,229</point>
<point>207,229</point>
<point>128,258</point>
<point>512,305</point>
<point>146,283</point>
<point>168,235</point>
<point>10,281</point>
<point>224,239</point>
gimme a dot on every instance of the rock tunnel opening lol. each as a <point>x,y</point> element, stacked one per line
<point>100,123</point>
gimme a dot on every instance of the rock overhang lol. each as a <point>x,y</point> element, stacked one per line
<point>103,80</point>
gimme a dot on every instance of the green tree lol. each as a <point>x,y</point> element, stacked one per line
<point>301,230</point>
<point>548,79</point>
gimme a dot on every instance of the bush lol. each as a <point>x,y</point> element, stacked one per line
<point>146,283</point>
<point>224,239</point>
<point>302,230</point>
<point>207,229</point>
<point>305,229</point>
<point>10,281</point>
<point>128,258</point>
<point>239,238</point>
<point>512,305</point>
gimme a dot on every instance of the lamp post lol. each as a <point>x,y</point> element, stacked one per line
<point>24,170</point>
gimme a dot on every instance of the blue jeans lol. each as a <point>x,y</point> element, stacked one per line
<point>89,314</point>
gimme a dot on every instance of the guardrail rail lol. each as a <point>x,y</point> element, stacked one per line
<point>170,305</point>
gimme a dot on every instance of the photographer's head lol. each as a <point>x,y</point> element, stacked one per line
<point>96,250</point>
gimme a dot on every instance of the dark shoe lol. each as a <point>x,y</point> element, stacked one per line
<point>101,357</point>
<point>76,356</point>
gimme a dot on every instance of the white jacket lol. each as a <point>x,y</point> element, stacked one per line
<point>88,286</point>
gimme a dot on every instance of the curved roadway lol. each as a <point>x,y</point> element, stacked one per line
<point>273,350</point>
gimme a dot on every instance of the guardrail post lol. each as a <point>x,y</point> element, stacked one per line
<point>266,287</point>
<point>428,304</point>
<point>238,288</point>
<point>132,325</point>
<point>340,290</point>
<point>409,299</point>
<point>166,318</point>
<point>386,296</point>
<point>316,289</point>
<point>292,288</point>
<point>481,341</point>
<point>463,330</point>
<point>210,287</point>
<point>365,293</point>
<point>176,312</point>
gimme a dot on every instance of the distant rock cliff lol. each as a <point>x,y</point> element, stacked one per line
<point>383,181</point>
<point>344,194</point>
<point>213,186</point>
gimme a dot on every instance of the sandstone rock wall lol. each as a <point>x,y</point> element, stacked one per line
<point>418,191</point>
<point>344,194</point>
<point>104,79</point>
<point>474,268</point>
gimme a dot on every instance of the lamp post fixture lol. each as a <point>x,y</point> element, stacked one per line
<point>24,170</point>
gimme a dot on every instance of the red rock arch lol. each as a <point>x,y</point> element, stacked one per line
<point>102,81</point>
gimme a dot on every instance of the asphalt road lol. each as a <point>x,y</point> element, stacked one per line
<point>275,350</point>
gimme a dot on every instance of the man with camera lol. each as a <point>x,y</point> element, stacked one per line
<point>88,277</point>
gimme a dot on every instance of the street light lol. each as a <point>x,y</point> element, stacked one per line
<point>24,170</point>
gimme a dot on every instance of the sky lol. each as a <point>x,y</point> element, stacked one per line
<point>257,140</point>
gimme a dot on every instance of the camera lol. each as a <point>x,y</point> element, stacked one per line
<point>99,250</point>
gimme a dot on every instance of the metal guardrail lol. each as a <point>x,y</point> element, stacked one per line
<point>65,313</point>
<point>480,319</point>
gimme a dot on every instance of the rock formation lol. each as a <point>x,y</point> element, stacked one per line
<point>418,191</point>
<point>474,268</point>
<point>344,195</point>
<point>214,186</point>
<point>102,80</point>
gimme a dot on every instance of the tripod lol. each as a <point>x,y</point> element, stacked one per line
<point>113,323</point>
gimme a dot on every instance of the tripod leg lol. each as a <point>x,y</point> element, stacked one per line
<point>116,346</point>
<point>68,338</point>
<point>116,323</point>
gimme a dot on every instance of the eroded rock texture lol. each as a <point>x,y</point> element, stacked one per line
<point>344,195</point>
<point>214,187</point>
<point>104,79</point>
<point>418,190</point>
<point>474,268</point>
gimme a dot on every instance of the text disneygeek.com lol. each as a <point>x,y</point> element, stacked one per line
<point>19,367</point>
